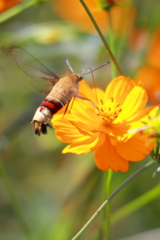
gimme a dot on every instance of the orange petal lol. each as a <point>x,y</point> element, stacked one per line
<point>107,158</point>
<point>84,118</point>
<point>120,133</point>
<point>86,91</point>
<point>67,136</point>
<point>93,94</point>
<point>83,111</point>
<point>134,103</point>
<point>136,148</point>
<point>84,144</point>
<point>119,88</point>
<point>64,130</point>
<point>84,129</point>
<point>99,95</point>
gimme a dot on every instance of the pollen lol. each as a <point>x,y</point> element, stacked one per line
<point>108,111</point>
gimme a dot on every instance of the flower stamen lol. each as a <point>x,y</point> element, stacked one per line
<point>108,111</point>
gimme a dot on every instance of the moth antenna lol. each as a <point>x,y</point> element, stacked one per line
<point>69,65</point>
<point>84,72</point>
<point>94,83</point>
<point>91,71</point>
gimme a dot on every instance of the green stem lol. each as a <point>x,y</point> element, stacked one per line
<point>101,36</point>
<point>16,9</point>
<point>102,222</point>
<point>108,208</point>
<point>13,199</point>
<point>112,43</point>
<point>136,204</point>
<point>111,197</point>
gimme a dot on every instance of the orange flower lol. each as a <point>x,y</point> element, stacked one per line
<point>139,39</point>
<point>154,52</point>
<point>6,4</point>
<point>110,2</point>
<point>149,75</point>
<point>150,78</point>
<point>104,129</point>
<point>74,12</point>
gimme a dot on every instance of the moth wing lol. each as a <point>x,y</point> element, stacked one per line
<point>41,77</point>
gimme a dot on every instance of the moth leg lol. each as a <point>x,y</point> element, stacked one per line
<point>87,100</point>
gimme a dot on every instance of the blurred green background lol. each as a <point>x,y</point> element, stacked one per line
<point>58,193</point>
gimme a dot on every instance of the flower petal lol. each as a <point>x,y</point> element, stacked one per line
<point>83,111</point>
<point>148,113</point>
<point>65,131</point>
<point>86,91</point>
<point>99,94</point>
<point>107,158</point>
<point>119,133</point>
<point>134,104</point>
<point>151,112</point>
<point>136,148</point>
<point>119,88</point>
<point>84,144</point>
<point>95,95</point>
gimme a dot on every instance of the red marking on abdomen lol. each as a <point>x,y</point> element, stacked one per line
<point>53,106</point>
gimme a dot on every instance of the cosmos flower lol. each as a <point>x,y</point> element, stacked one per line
<point>149,76</point>
<point>76,14</point>
<point>103,127</point>
<point>154,51</point>
<point>4,4</point>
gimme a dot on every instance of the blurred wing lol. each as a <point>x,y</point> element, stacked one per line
<point>42,77</point>
<point>42,85</point>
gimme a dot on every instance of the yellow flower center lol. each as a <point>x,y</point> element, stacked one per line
<point>109,110</point>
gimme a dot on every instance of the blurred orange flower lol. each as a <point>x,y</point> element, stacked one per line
<point>138,39</point>
<point>110,2</point>
<point>149,75</point>
<point>6,4</point>
<point>150,78</point>
<point>104,129</point>
<point>74,12</point>
<point>153,57</point>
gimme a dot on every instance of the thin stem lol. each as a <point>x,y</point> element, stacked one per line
<point>111,43</point>
<point>102,227</point>
<point>13,199</point>
<point>108,192</point>
<point>111,197</point>
<point>101,36</point>
<point>136,204</point>
<point>16,9</point>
